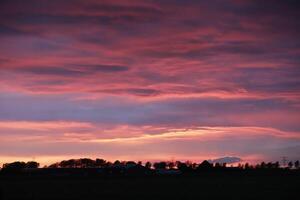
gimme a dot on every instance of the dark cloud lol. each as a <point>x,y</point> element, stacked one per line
<point>267,79</point>
<point>119,9</point>
<point>47,70</point>
<point>102,68</point>
<point>91,12</point>
<point>179,113</point>
<point>55,82</point>
<point>276,7</point>
<point>144,92</point>
<point>10,31</point>
<point>228,160</point>
<point>3,60</point>
<point>71,70</point>
<point>213,49</point>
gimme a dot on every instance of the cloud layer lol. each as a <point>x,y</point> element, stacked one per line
<point>93,70</point>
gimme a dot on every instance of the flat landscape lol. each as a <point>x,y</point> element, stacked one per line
<point>229,185</point>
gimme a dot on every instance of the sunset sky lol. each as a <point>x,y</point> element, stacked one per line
<point>149,79</point>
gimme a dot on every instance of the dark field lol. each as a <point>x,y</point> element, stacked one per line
<point>238,185</point>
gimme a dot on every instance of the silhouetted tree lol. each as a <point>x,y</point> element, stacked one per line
<point>205,165</point>
<point>160,165</point>
<point>32,165</point>
<point>189,163</point>
<point>263,165</point>
<point>297,164</point>
<point>171,165</point>
<point>72,163</point>
<point>217,165</point>
<point>14,165</point>
<point>126,165</point>
<point>117,162</point>
<point>247,166</point>
<point>183,167</point>
<point>54,165</point>
<point>276,165</point>
<point>100,162</point>
<point>108,164</point>
<point>86,163</point>
<point>148,165</point>
<point>194,166</point>
<point>269,165</point>
<point>130,164</point>
<point>290,164</point>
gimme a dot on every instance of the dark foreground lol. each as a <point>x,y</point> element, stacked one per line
<point>206,185</point>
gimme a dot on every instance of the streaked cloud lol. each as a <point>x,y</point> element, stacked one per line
<point>202,78</point>
<point>159,143</point>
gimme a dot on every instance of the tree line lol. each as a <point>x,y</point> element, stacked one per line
<point>163,165</point>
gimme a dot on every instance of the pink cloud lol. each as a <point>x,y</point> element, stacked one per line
<point>149,73</point>
<point>193,143</point>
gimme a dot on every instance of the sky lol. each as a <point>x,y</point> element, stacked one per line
<point>149,79</point>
